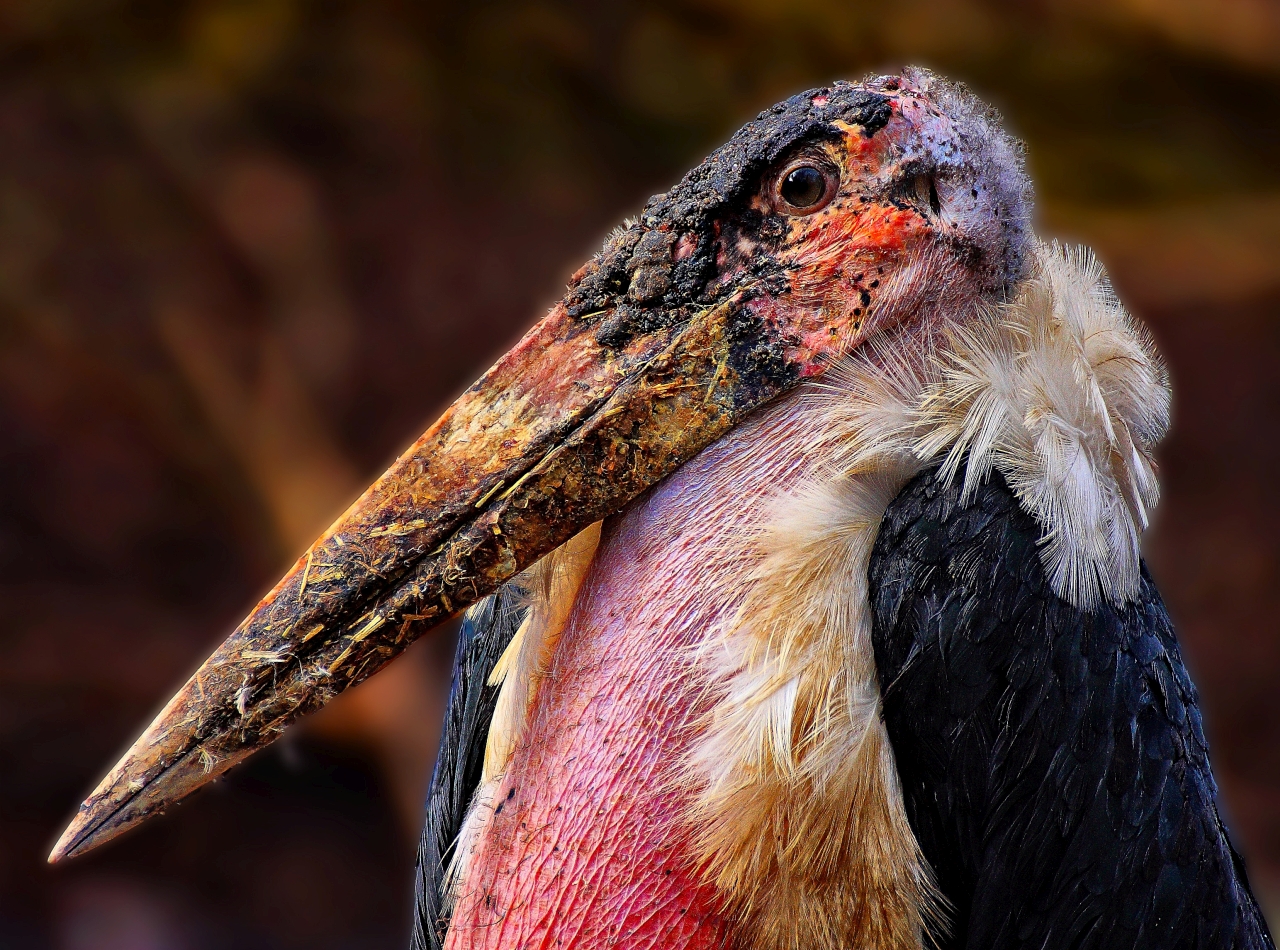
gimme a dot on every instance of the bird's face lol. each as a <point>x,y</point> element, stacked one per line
<point>832,216</point>
<point>869,224</point>
<point>836,215</point>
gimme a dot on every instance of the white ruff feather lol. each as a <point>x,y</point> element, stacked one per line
<point>1063,394</point>
<point>798,814</point>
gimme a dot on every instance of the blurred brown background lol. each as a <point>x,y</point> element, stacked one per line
<point>249,248</point>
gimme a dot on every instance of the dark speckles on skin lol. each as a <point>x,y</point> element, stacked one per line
<point>772,229</point>
<point>654,247</point>
<point>625,323</point>
<point>758,364</point>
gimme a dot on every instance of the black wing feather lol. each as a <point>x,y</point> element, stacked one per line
<point>486,630</point>
<point>1053,761</point>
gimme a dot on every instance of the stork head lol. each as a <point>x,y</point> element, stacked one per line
<point>841,213</point>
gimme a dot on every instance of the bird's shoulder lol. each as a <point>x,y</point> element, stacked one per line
<point>1053,759</point>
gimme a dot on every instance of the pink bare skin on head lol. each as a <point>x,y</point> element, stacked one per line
<point>585,845</point>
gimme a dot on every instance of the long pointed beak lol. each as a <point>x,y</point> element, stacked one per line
<point>562,431</point>
<point>711,305</point>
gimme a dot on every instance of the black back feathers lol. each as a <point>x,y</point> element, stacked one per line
<point>1053,761</point>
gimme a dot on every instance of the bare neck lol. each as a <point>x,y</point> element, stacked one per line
<point>586,841</point>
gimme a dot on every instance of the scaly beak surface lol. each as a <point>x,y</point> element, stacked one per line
<point>562,431</point>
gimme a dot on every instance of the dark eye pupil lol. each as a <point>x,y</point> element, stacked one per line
<point>804,187</point>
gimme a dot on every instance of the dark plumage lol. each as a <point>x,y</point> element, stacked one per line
<point>1053,761</point>
<point>486,630</point>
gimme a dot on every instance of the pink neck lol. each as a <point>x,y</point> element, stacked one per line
<point>585,845</point>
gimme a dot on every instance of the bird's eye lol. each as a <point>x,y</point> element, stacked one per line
<point>804,188</point>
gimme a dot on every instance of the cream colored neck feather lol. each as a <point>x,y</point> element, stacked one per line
<point>796,809</point>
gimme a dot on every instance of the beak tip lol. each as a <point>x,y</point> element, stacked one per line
<point>135,790</point>
<point>97,822</point>
<point>102,816</point>
<point>73,840</point>
<point>119,801</point>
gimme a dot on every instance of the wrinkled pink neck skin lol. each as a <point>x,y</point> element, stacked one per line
<point>585,848</point>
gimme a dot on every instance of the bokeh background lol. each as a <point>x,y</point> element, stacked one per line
<point>249,248</point>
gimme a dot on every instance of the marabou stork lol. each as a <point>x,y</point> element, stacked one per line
<point>801,545</point>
